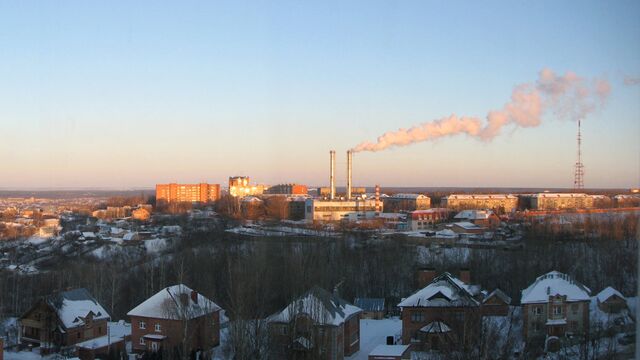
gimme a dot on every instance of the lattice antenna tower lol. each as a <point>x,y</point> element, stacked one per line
<point>578,177</point>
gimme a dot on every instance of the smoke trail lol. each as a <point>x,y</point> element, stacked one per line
<point>568,97</point>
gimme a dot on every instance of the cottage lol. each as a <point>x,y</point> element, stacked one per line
<point>173,319</point>
<point>444,314</point>
<point>63,319</point>
<point>319,324</point>
<point>554,306</point>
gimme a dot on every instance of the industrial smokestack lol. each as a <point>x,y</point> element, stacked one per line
<point>332,172</point>
<point>349,161</point>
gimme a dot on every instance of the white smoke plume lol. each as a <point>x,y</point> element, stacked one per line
<point>568,96</point>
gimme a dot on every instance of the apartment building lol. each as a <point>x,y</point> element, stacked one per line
<point>191,193</point>
<point>498,202</point>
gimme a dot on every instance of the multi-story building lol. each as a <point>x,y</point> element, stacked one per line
<point>406,202</point>
<point>427,219</point>
<point>555,305</point>
<point>63,319</point>
<point>287,189</point>
<point>318,325</point>
<point>442,315</point>
<point>334,210</point>
<point>175,316</point>
<point>189,193</point>
<point>446,313</point>
<point>240,186</point>
<point>498,202</point>
<point>561,201</point>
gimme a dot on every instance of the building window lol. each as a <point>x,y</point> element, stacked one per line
<point>142,341</point>
<point>78,335</point>
<point>557,310</point>
<point>158,328</point>
<point>142,325</point>
<point>417,317</point>
<point>537,310</point>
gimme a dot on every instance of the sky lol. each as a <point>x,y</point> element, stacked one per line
<point>127,94</point>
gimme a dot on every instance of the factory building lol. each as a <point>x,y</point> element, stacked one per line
<point>192,193</point>
<point>561,201</point>
<point>287,189</point>
<point>498,202</point>
<point>325,192</point>
<point>406,202</point>
<point>350,207</point>
<point>335,210</point>
<point>240,186</point>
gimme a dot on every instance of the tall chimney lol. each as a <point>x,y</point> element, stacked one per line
<point>332,176</point>
<point>349,161</point>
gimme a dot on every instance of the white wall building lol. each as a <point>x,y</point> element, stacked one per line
<point>335,210</point>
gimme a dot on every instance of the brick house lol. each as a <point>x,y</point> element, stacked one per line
<point>444,314</point>
<point>496,303</point>
<point>318,325</point>
<point>554,306</point>
<point>63,319</point>
<point>160,322</point>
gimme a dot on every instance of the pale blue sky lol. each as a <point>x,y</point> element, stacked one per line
<point>130,93</point>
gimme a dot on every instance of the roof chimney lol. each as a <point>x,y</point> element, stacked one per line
<point>332,172</point>
<point>349,162</point>
<point>425,276</point>
<point>465,275</point>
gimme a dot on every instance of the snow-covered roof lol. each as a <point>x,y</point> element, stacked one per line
<point>446,233</point>
<point>561,195</point>
<point>605,294</point>
<point>407,196</point>
<point>554,283</point>
<point>444,291</point>
<point>73,306</point>
<point>117,332</point>
<point>499,294</point>
<point>473,214</point>
<point>175,303</point>
<point>480,196</point>
<point>467,225</point>
<point>435,327</point>
<point>389,350</point>
<point>322,306</point>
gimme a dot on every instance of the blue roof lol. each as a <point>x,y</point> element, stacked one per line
<point>370,304</point>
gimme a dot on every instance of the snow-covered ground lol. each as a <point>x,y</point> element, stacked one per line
<point>374,333</point>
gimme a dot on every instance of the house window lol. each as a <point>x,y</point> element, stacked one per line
<point>142,341</point>
<point>158,328</point>
<point>283,330</point>
<point>78,334</point>
<point>417,317</point>
<point>154,346</point>
<point>557,310</point>
<point>537,310</point>
<point>142,325</point>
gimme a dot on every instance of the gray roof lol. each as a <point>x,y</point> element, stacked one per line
<point>369,304</point>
